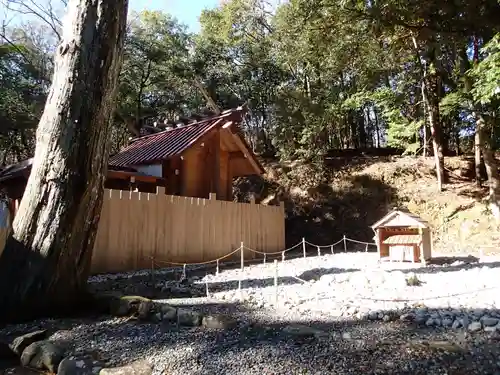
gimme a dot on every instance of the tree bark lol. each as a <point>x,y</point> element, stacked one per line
<point>430,94</point>
<point>436,130</point>
<point>46,260</point>
<point>490,164</point>
<point>477,154</point>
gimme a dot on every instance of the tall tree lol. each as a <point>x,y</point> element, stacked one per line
<point>46,259</point>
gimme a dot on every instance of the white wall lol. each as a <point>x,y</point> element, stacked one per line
<point>152,169</point>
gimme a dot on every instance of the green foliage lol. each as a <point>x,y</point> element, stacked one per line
<point>316,74</point>
<point>487,73</point>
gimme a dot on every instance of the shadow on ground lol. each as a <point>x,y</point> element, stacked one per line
<point>260,346</point>
<point>144,284</point>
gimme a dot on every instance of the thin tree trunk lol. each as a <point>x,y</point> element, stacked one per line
<point>491,166</point>
<point>436,132</point>
<point>377,129</point>
<point>46,260</point>
<point>477,154</point>
<point>424,101</point>
<point>431,101</point>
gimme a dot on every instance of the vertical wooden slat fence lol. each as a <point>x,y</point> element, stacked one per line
<point>137,226</point>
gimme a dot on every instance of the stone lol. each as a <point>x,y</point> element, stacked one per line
<point>134,368</point>
<point>79,366</point>
<point>168,313</point>
<point>430,322</point>
<point>188,318</point>
<point>456,324</point>
<point>421,319</point>
<point>447,322</point>
<point>22,342</point>
<point>219,322</point>
<point>408,317</point>
<point>346,336</point>
<point>131,305</point>
<point>373,315</point>
<point>475,326</point>
<point>43,355</point>
<point>489,321</point>
<point>387,318</point>
<point>490,329</point>
<point>303,331</point>
<point>145,310</point>
<point>479,312</point>
<point>421,311</point>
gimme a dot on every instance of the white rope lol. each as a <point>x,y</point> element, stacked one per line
<point>360,242</point>
<point>276,252</point>
<point>265,254</point>
<point>323,246</point>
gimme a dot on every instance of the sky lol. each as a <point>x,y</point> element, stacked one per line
<point>186,11</point>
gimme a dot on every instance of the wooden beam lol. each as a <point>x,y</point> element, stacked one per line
<point>216,164</point>
<point>236,155</point>
<point>248,154</point>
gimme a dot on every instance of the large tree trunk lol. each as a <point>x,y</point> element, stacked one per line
<point>430,95</point>
<point>482,133</point>
<point>46,260</point>
<point>436,129</point>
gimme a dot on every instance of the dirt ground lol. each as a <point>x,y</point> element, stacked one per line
<point>346,196</point>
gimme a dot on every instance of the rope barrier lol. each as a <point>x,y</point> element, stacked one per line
<point>196,264</point>
<point>304,242</point>
<point>361,242</point>
<point>275,253</point>
<point>322,246</point>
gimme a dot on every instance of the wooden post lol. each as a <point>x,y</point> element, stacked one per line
<point>319,251</point>
<point>304,246</point>
<point>242,262</point>
<point>217,269</point>
<point>212,196</point>
<point>153,271</point>
<point>242,266</point>
<point>345,244</point>
<point>283,256</point>
<point>421,250</point>
<point>331,248</point>
<point>276,282</point>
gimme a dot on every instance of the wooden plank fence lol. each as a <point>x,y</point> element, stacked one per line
<point>137,227</point>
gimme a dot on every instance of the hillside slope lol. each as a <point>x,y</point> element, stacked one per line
<point>348,195</point>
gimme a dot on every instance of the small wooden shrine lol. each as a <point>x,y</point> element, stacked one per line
<point>403,236</point>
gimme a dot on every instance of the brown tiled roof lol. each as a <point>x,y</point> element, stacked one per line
<point>168,143</point>
<point>403,239</point>
<point>24,168</point>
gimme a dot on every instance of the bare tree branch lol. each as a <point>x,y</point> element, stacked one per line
<point>32,7</point>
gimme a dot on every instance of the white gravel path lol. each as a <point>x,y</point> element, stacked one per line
<point>369,320</point>
<point>358,279</point>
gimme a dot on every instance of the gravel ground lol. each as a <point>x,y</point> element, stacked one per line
<point>353,342</point>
